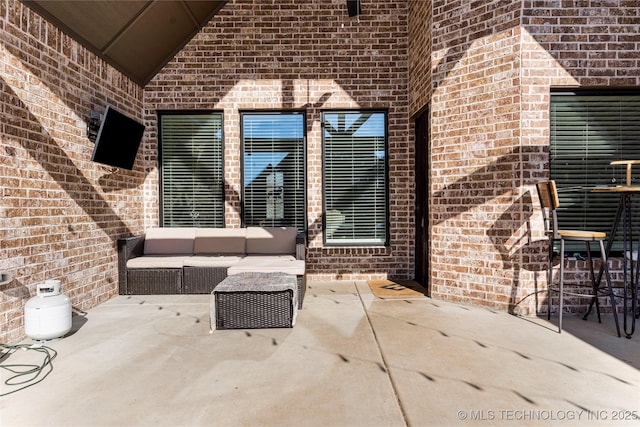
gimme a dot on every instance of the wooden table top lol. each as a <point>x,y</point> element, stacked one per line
<point>617,189</point>
<point>625,162</point>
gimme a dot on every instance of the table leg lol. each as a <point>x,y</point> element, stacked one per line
<point>629,285</point>
<point>630,273</point>
<point>630,268</point>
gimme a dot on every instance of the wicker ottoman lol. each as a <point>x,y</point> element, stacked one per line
<point>255,300</point>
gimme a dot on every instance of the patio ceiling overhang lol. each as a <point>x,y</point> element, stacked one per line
<point>136,37</point>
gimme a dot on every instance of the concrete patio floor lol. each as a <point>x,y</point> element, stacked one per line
<point>351,360</point>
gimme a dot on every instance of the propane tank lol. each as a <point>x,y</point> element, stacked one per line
<point>48,314</point>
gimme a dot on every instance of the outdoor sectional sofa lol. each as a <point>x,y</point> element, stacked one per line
<point>195,260</point>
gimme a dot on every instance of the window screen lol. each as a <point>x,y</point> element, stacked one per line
<point>355,178</point>
<point>273,169</point>
<point>192,176</point>
<point>588,132</point>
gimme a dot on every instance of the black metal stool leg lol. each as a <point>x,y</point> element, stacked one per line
<point>561,286</point>
<point>605,262</point>
<point>549,279</point>
<point>610,240</point>
<point>594,285</point>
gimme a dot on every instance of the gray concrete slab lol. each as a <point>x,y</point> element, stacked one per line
<point>351,360</point>
<point>452,363</point>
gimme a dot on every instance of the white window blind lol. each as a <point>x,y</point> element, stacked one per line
<point>192,175</point>
<point>355,178</point>
<point>273,146</point>
<point>587,132</point>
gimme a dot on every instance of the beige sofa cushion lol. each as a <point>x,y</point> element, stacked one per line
<point>268,264</point>
<point>157,261</point>
<point>220,241</point>
<point>271,240</point>
<point>169,241</point>
<point>212,261</point>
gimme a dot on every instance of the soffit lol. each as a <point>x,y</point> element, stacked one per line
<point>138,37</point>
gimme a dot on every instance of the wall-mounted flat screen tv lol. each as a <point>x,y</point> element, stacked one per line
<point>118,140</point>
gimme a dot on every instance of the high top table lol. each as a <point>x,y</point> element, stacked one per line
<point>624,213</point>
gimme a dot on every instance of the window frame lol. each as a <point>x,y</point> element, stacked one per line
<point>161,180</point>
<point>302,228</point>
<point>387,204</point>
<point>570,194</point>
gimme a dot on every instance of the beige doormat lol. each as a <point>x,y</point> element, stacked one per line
<point>396,288</point>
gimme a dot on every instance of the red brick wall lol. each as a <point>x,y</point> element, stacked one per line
<point>476,204</point>
<point>573,44</point>
<point>484,68</point>
<point>59,213</point>
<point>306,56</point>
<point>420,33</point>
<point>493,65</point>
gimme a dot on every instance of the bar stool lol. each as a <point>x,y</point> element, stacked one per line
<point>548,194</point>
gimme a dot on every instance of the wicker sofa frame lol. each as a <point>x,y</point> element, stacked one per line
<point>185,280</point>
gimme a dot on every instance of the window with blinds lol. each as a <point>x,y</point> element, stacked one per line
<point>191,159</point>
<point>588,131</point>
<point>273,175</point>
<point>355,178</point>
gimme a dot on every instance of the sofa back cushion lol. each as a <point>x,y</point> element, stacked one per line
<point>222,241</point>
<point>169,241</point>
<point>271,240</point>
